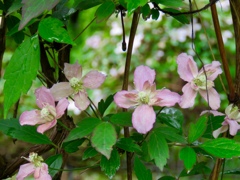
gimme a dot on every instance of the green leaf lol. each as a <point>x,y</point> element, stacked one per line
<point>128,144</point>
<point>51,29</point>
<point>33,8</point>
<point>86,4</point>
<point>85,127</point>
<point>12,128</point>
<point>155,14</point>
<point>104,11</point>
<point>171,3</point>
<point>103,138</point>
<point>222,147</point>
<point>54,162</point>
<point>72,146</point>
<point>11,23</point>
<point>103,105</point>
<point>141,171</point>
<point>132,5</point>
<point>196,130</point>
<point>20,72</point>
<point>158,149</point>
<point>181,18</point>
<point>188,156</point>
<point>110,166</point>
<point>213,123</point>
<point>17,4</point>
<point>199,168</point>
<point>146,11</point>
<point>171,117</point>
<point>89,153</point>
<point>167,178</point>
<point>122,119</point>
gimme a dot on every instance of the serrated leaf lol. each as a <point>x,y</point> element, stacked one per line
<point>141,171</point>
<point>110,166</point>
<point>158,149</point>
<point>196,130</point>
<point>85,127</point>
<point>170,3</point>
<point>188,156</point>
<point>51,29</point>
<point>89,153</point>
<point>103,138</point>
<point>104,11</point>
<point>221,147</point>
<point>54,162</point>
<point>12,128</point>
<point>128,144</point>
<point>103,105</point>
<point>122,119</point>
<point>21,71</point>
<point>72,146</point>
<point>17,4</point>
<point>132,5</point>
<point>181,18</point>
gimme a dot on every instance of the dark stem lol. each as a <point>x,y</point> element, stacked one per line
<point>124,46</point>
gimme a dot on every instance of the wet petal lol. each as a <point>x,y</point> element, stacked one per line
<point>44,127</point>
<point>93,79</point>
<point>167,98</point>
<point>188,97</point>
<point>214,98</point>
<point>43,96</point>
<point>143,118</point>
<point>212,70</point>
<point>25,170</point>
<point>187,67</point>
<point>219,131</point>
<point>233,127</point>
<point>61,107</point>
<point>30,117</point>
<point>61,90</point>
<point>72,70</point>
<point>143,74</point>
<point>81,100</point>
<point>126,99</point>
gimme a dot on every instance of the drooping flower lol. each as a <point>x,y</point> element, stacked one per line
<point>197,81</point>
<point>49,113</point>
<point>232,117</point>
<point>35,167</point>
<point>143,98</point>
<point>77,85</point>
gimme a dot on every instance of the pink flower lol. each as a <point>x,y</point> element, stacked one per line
<point>48,114</point>
<point>77,85</point>
<point>143,98</point>
<point>197,81</point>
<point>35,167</point>
<point>230,121</point>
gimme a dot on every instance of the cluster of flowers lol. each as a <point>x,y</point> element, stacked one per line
<point>142,98</point>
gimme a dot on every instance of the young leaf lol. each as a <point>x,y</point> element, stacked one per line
<point>158,149</point>
<point>188,156</point>
<point>89,153</point>
<point>141,171</point>
<point>128,144</point>
<point>103,138</point>
<point>222,147</point>
<point>103,105</point>
<point>110,166</point>
<point>54,162</point>
<point>104,11</point>
<point>122,119</point>
<point>51,29</point>
<point>72,146</point>
<point>20,72</point>
<point>196,130</point>
<point>85,127</point>
<point>132,5</point>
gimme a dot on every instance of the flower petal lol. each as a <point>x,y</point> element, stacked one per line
<point>61,107</point>
<point>212,70</point>
<point>187,67</point>
<point>188,97</point>
<point>44,127</point>
<point>81,100</point>
<point>167,98</point>
<point>126,99</point>
<point>61,90</point>
<point>43,96</point>
<point>233,127</point>
<point>143,74</point>
<point>72,70</point>
<point>43,173</point>
<point>214,98</point>
<point>25,170</point>
<point>219,131</point>
<point>143,118</point>
<point>93,79</point>
<point>30,117</point>
<point>215,113</point>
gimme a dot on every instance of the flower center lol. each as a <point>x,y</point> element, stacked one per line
<point>48,113</point>
<point>143,97</point>
<point>76,84</point>
<point>35,159</point>
<point>202,83</point>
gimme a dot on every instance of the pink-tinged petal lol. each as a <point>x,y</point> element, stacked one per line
<point>233,127</point>
<point>219,131</point>
<point>167,98</point>
<point>44,127</point>
<point>43,173</point>
<point>43,96</point>
<point>61,90</point>
<point>188,97</point>
<point>214,98</point>
<point>143,74</point>
<point>187,67</point>
<point>212,70</point>
<point>143,118</point>
<point>215,113</point>
<point>81,100</point>
<point>25,170</point>
<point>126,99</point>
<point>61,107</point>
<point>30,117</point>
<point>72,70</point>
<point>93,79</point>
